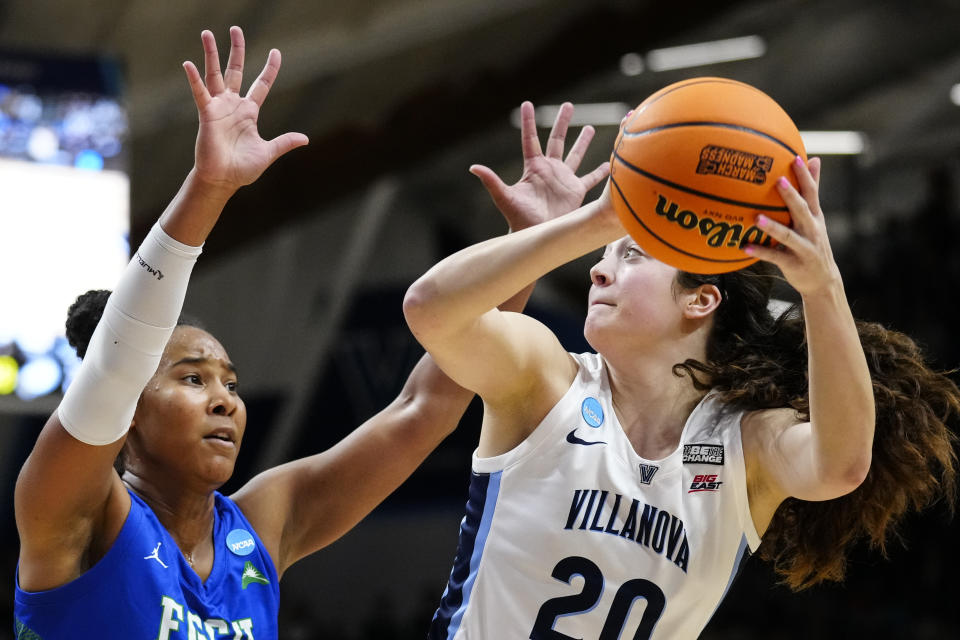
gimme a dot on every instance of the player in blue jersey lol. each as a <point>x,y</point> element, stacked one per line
<point>615,495</point>
<point>158,552</point>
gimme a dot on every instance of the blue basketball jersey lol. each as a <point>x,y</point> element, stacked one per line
<point>144,588</point>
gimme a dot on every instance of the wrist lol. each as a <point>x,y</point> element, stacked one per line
<point>194,211</point>
<point>830,292</point>
<point>214,191</point>
<point>604,222</point>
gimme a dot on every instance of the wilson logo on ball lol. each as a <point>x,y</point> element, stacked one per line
<point>716,232</point>
<point>694,166</point>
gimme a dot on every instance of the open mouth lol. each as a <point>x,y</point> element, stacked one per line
<point>219,437</point>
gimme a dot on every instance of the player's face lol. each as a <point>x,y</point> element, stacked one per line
<point>631,299</point>
<point>190,419</point>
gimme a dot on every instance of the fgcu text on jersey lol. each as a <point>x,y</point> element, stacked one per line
<point>703,454</point>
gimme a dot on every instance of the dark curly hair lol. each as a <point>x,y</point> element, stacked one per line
<point>758,360</point>
<point>84,315</point>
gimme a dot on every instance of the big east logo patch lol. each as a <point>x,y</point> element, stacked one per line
<point>705,482</point>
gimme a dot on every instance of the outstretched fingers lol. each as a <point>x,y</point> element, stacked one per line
<point>211,63</point>
<point>286,142</point>
<point>200,94</point>
<point>558,133</point>
<point>596,176</point>
<point>233,78</point>
<point>529,142</point>
<point>496,187</point>
<point>261,86</point>
<point>579,148</point>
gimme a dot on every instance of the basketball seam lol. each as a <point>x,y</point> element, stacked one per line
<point>693,81</point>
<point>709,123</point>
<point>702,194</point>
<point>677,249</point>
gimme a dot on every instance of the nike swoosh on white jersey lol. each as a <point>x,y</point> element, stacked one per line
<point>573,439</point>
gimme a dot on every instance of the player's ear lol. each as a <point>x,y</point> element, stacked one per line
<point>702,301</point>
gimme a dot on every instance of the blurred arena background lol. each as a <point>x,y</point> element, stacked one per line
<point>303,279</point>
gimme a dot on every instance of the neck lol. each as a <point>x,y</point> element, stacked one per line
<point>188,516</point>
<point>651,403</point>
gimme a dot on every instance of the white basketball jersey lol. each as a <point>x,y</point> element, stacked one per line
<point>573,535</point>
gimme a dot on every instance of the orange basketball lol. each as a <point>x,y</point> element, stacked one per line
<point>695,164</point>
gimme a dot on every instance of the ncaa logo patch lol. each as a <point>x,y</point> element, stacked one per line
<point>240,542</point>
<point>592,412</point>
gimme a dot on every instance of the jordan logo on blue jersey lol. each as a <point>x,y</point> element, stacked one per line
<point>156,555</point>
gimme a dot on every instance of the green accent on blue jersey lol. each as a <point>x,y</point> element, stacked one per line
<point>252,575</point>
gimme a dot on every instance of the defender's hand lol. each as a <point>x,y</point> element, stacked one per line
<point>549,186</point>
<point>230,152</point>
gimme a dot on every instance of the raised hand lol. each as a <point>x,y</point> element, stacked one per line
<point>230,152</point>
<point>549,186</point>
<point>803,253</point>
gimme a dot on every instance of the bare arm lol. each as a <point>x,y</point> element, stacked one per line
<point>69,502</point>
<point>452,308</point>
<point>830,455</point>
<point>320,498</point>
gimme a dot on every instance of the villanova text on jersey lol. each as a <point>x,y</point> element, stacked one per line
<point>562,540</point>
<point>653,528</point>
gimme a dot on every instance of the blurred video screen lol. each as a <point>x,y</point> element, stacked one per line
<point>64,207</point>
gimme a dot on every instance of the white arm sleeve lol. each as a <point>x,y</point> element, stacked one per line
<point>127,344</point>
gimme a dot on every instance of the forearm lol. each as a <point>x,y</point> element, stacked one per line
<point>194,211</point>
<point>127,344</point>
<point>475,280</point>
<point>139,318</point>
<point>842,411</point>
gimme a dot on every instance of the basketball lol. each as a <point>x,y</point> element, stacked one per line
<point>695,164</point>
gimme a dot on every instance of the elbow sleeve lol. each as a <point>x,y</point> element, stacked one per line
<point>128,343</point>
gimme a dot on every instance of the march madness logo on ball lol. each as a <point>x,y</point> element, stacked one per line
<point>733,163</point>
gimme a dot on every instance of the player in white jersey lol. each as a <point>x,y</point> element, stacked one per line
<point>615,495</point>
<point>601,509</point>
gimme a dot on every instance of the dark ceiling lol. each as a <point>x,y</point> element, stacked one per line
<point>423,88</point>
